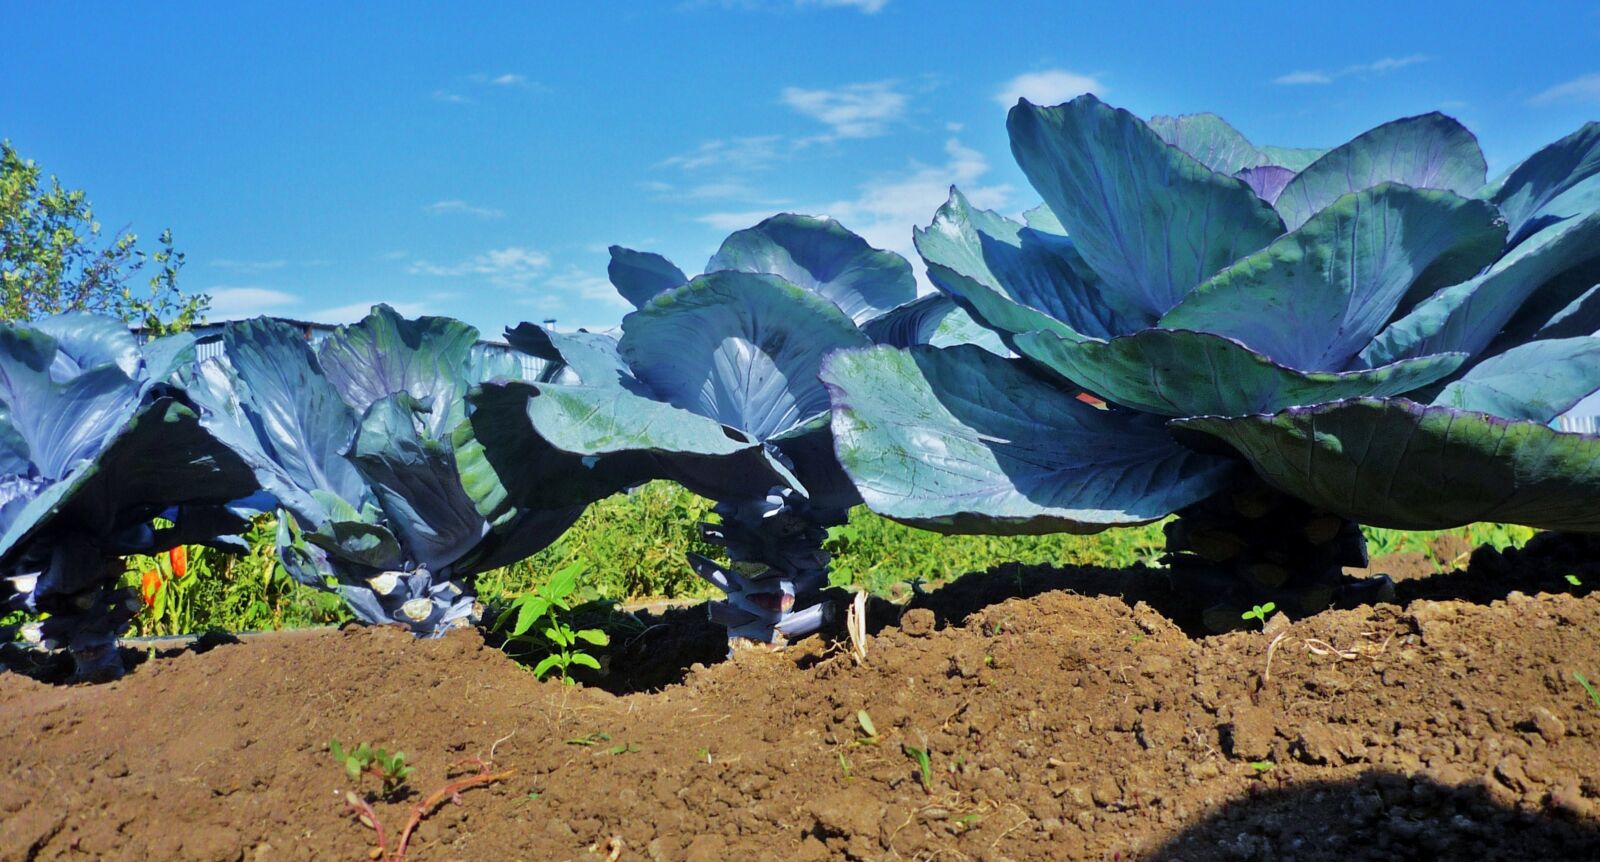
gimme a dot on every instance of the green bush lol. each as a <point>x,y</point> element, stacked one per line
<point>228,592</point>
<point>632,548</point>
<point>631,545</point>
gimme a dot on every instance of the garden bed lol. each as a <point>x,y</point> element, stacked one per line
<point>1082,724</point>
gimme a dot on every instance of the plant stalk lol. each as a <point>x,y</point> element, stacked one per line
<point>1252,544</point>
<point>778,573</point>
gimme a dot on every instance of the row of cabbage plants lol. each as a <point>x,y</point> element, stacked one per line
<point>1273,344</point>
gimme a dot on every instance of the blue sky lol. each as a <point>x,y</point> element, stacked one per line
<point>477,161</point>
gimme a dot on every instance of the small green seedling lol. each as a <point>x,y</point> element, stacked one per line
<point>534,795</point>
<point>626,748</point>
<point>364,759</point>
<point>595,738</point>
<point>1262,767</point>
<point>1573,580</point>
<point>844,765</point>
<point>391,769</point>
<point>968,821</point>
<point>1588,687</point>
<point>549,607</point>
<point>924,765</point>
<point>1259,612</point>
<point>703,754</point>
<point>867,727</point>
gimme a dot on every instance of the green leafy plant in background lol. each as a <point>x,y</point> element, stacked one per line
<point>632,544</point>
<point>635,542</point>
<point>1383,542</point>
<point>882,556</point>
<point>541,621</point>
<point>227,591</point>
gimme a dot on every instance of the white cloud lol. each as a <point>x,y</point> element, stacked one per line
<point>1387,64</point>
<point>869,7</point>
<point>729,221</point>
<point>341,314</point>
<point>885,210</point>
<point>249,265</point>
<point>230,302</point>
<point>509,80</point>
<point>745,154</point>
<point>1585,88</point>
<point>452,98</point>
<point>460,207</point>
<point>853,111</point>
<point>574,283</point>
<point>1050,87</point>
<point>1381,66</point>
<point>1297,78</point>
<point>512,266</point>
<point>730,189</point>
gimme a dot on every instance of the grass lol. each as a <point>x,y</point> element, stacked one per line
<point>633,546</point>
<point>1382,542</point>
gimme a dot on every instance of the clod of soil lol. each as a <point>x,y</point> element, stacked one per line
<point>1057,726</point>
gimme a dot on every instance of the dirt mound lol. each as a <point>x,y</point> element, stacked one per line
<point>1059,726</point>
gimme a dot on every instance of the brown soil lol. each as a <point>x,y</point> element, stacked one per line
<point>1059,725</point>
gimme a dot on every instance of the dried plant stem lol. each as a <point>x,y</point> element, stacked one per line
<point>450,792</point>
<point>368,817</point>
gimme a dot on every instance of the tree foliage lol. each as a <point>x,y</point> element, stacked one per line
<point>53,258</point>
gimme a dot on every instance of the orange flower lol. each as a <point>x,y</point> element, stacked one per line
<point>179,558</point>
<point>149,585</point>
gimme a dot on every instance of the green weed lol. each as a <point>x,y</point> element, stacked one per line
<point>924,763</point>
<point>871,737</point>
<point>390,769</point>
<point>1588,687</point>
<point>1259,613</point>
<point>549,608</point>
<point>1384,542</point>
